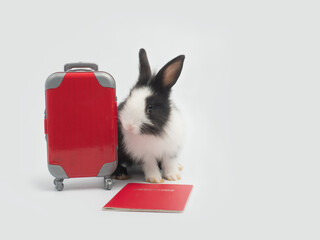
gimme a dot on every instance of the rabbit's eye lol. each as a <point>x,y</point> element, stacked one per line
<point>149,108</point>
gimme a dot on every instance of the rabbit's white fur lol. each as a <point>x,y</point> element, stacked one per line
<point>148,149</point>
<point>133,115</point>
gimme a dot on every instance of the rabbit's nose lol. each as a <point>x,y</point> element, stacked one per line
<point>129,127</point>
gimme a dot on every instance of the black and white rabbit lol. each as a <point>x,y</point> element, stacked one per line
<point>150,128</point>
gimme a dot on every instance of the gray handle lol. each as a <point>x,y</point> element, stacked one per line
<point>69,66</point>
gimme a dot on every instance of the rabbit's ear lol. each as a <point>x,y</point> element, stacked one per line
<point>145,71</point>
<point>169,74</point>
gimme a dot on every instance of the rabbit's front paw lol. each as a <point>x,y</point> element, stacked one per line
<point>154,179</point>
<point>152,172</point>
<point>172,176</point>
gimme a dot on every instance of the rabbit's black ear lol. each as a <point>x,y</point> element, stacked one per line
<point>169,74</point>
<point>145,71</point>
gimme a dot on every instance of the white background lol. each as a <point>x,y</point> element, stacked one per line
<point>249,92</point>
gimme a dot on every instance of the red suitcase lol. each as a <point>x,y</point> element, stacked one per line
<point>81,124</point>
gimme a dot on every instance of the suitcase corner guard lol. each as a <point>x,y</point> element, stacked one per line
<point>54,80</point>
<point>105,79</point>
<point>57,171</point>
<point>108,169</point>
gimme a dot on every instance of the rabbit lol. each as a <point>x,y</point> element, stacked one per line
<point>150,127</point>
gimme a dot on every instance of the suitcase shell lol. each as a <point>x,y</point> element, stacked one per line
<point>81,123</point>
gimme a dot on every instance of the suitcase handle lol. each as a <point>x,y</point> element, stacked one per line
<point>69,66</point>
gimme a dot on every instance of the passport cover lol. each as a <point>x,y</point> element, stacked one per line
<point>151,197</point>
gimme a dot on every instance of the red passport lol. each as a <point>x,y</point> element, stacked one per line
<point>151,197</point>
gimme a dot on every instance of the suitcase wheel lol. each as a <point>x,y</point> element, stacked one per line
<point>108,183</point>
<point>58,183</point>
